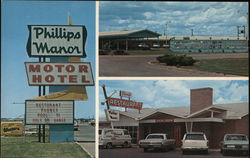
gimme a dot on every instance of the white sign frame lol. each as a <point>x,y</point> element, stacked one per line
<point>56,41</point>
<point>59,73</point>
<point>112,113</point>
<point>43,111</point>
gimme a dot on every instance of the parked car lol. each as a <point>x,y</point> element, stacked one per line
<point>165,46</point>
<point>235,143</point>
<point>195,141</point>
<point>157,141</point>
<point>108,138</point>
<point>76,125</point>
<point>143,46</point>
<point>156,45</point>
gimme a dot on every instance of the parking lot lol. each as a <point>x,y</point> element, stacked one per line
<point>142,66</point>
<point>136,152</point>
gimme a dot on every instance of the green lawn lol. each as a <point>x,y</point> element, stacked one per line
<point>226,66</point>
<point>29,147</point>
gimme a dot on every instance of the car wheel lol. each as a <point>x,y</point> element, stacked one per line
<point>173,147</point>
<point>224,153</point>
<point>145,149</point>
<point>125,144</point>
<point>109,146</point>
<point>184,152</point>
<point>206,152</point>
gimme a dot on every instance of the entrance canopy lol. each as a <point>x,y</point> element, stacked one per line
<point>128,34</point>
<point>120,39</point>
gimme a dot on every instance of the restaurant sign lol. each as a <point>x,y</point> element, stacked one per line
<point>125,94</point>
<point>112,115</point>
<point>56,40</point>
<point>164,120</point>
<point>59,73</point>
<point>124,103</point>
<point>49,112</point>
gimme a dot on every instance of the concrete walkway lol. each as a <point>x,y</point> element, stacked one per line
<point>88,147</point>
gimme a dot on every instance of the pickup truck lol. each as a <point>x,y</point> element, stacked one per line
<point>157,141</point>
<point>235,143</point>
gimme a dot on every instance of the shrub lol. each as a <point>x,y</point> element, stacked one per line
<point>120,52</point>
<point>176,60</point>
<point>103,52</point>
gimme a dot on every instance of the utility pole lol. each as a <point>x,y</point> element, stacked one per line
<point>105,96</point>
<point>192,32</point>
<point>168,22</point>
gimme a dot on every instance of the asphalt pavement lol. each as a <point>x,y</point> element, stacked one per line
<point>143,66</point>
<point>85,137</point>
<point>136,152</point>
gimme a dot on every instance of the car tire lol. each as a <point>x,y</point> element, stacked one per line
<point>109,146</point>
<point>173,147</point>
<point>184,152</point>
<point>206,152</point>
<point>145,149</point>
<point>125,145</point>
<point>224,153</point>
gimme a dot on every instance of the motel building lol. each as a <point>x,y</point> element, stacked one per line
<point>215,120</point>
<point>131,39</point>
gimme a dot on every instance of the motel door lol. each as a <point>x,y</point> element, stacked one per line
<point>177,135</point>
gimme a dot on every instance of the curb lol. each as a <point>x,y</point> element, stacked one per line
<point>85,150</point>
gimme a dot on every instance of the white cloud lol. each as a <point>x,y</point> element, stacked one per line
<point>222,17</point>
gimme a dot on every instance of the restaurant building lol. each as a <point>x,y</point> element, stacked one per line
<point>215,120</point>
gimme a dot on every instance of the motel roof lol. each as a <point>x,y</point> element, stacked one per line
<point>199,38</point>
<point>232,111</point>
<point>144,33</point>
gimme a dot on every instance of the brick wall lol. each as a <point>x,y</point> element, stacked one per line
<point>200,99</point>
<point>216,131</point>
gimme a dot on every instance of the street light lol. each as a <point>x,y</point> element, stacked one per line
<point>168,22</point>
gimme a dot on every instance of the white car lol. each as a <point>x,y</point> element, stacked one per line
<point>156,46</point>
<point>235,143</point>
<point>195,141</point>
<point>157,141</point>
<point>108,138</point>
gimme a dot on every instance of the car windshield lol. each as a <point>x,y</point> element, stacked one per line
<point>195,137</point>
<point>236,137</point>
<point>155,137</point>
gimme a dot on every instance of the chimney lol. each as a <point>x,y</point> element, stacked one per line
<point>200,99</point>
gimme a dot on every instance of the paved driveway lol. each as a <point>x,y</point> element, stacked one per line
<point>142,66</point>
<point>136,152</point>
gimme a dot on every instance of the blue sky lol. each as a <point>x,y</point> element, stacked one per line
<point>205,18</point>
<point>16,15</point>
<point>172,93</point>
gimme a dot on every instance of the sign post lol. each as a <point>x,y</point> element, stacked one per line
<point>64,44</point>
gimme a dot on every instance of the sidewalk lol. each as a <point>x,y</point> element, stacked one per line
<point>89,147</point>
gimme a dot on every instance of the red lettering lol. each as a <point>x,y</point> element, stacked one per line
<point>70,68</point>
<point>72,78</point>
<point>33,68</point>
<point>48,68</point>
<point>84,79</point>
<point>83,68</point>
<point>36,78</point>
<point>62,78</point>
<point>49,78</point>
<point>59,67</point>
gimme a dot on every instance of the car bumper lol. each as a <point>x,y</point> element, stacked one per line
<point>236,149</point>
<point>194,148</point>
<point>151,146</point>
